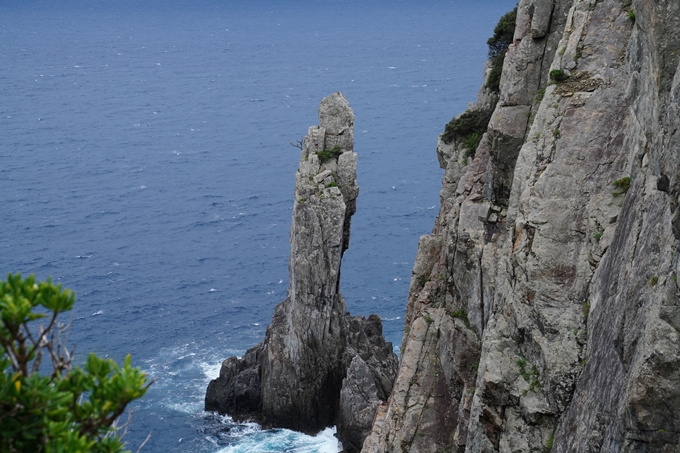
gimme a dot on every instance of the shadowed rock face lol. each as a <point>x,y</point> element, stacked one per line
<point>298,377</point>
<point>544,309</point>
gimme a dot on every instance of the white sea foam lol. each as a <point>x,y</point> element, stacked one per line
<point>278,440</point>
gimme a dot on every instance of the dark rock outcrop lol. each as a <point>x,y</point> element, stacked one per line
<point>298,377</point>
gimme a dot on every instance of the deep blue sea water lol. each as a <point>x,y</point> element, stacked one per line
<point>145,164</point>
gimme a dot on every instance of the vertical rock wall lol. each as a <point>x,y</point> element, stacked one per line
<point>544,308</point>
<point>298,376</point>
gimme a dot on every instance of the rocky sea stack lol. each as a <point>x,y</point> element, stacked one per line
<point>318,366</point>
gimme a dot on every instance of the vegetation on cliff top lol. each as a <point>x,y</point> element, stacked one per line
<point>54,406</point>
<point>470,126</point>
<point>502,37</point>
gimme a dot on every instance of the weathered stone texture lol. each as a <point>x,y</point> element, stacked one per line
<point>298,376</point>
<point>544,309</point>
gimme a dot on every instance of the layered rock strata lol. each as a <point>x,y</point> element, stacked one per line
<point>317,365</point>
<point>544,308</point>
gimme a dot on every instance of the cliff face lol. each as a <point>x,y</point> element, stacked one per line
<point>317,365</point>
<point>544,308</point>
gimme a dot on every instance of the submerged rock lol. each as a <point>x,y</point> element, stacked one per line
<point>295,378</point>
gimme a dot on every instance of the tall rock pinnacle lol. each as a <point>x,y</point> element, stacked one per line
<point>295,377</point>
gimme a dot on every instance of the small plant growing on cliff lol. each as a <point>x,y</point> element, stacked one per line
<point>558,75</point>
<point>585,310</point>
<point>422,280</point>
<point>631,15</point>
<point>534,384</point>
<point>540,95</point>
<point>503,35</point>
<point>428,318</point>
<point>622,185</point>
<point>597,236</point>
<point>332,184</point>
<point>461,314</point>
<point>528,376</point>
<point>654,280</point>
<point>549,443</point>
<point>299,144</point>
<point>329,153</point>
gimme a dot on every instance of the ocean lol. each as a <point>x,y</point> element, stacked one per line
<point>145,163</point>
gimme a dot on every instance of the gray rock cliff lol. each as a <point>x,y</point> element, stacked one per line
<point>544,308</point>
<point>317,365</point>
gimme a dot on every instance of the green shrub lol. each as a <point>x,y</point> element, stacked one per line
<point>470,127</point>
<point>631,15</point>
<point>503,34</point>
<point>498,44</point>
<point>558,75</point>
<point>329,153</point>
<point>471,141</point>
<point>654,280</point>
<point>54,406</point>
<point>332,184</point>
<point>622,185</point>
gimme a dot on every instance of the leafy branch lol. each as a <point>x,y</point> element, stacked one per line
<point>67,408</point>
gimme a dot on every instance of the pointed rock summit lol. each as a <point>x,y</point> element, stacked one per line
<point>298,377</point>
